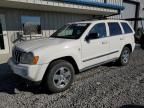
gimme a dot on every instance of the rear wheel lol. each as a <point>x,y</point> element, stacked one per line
<point>125,56</point>
<point>60,76</point>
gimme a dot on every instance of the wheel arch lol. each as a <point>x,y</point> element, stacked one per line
<point>66,58</point>
<point>128,46</point>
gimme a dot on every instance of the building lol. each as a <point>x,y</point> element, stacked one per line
<point>22,20</point>
<point>133,9</point>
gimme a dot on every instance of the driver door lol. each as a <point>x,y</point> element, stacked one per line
<point>95,50</point>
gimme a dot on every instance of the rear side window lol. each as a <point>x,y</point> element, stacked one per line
<point>126,28</point>
<point>114,28</point>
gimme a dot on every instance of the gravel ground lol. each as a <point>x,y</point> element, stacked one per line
<point>107,86</point>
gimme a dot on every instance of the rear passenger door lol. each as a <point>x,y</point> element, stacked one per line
<point>116,39</point>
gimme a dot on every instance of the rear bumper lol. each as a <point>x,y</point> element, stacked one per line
<point>133,46</point>
<point>31,72</point>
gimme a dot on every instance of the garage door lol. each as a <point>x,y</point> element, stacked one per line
<point>129,11</point>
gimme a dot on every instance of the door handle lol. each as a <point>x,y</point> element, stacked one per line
<point>104,43</point>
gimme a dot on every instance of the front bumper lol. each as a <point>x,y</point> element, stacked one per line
<point>30,72</point>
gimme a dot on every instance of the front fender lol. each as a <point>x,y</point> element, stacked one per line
<point>48,55</point>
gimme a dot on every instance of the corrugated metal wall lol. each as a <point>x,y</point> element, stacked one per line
<point>117,2</point>
<point>129,12</point>
<point>141,14</point>
<point>55,20</point>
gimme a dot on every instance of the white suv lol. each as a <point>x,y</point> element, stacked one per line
<point>73,48</point>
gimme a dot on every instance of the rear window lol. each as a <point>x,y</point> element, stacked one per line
<point>114,29</point>
<point>126,28</point>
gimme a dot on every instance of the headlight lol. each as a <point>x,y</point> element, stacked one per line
<point>28,58</point>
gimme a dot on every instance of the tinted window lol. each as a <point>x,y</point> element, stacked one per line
<point>126,28</point>
<point>114,29</point>
<point>100,29</point>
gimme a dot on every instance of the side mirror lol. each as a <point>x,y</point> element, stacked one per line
<point>92,36</point>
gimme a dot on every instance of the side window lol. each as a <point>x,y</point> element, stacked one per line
<point>100,29</point>
<point>114,29</point>
<point>126,28</point>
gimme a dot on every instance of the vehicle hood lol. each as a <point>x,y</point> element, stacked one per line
<point>40,43</point>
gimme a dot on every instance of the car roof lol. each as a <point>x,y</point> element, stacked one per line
<point>95,21</point>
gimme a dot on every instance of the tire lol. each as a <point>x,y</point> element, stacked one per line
<point>124,57</point>
<point>59,77</point>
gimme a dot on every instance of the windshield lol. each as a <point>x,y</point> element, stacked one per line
<point>71,31</point>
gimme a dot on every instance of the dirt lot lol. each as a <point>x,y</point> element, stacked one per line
<point>107,86</point>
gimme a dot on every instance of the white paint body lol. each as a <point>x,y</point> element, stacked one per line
<point>80,50</point>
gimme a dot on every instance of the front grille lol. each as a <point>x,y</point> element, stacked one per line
<point>16,55</point>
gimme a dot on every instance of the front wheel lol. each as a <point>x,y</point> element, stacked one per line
<point>125,56</point>
<point>60,76</point>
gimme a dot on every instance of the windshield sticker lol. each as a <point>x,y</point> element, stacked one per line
<point>82,25</point>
